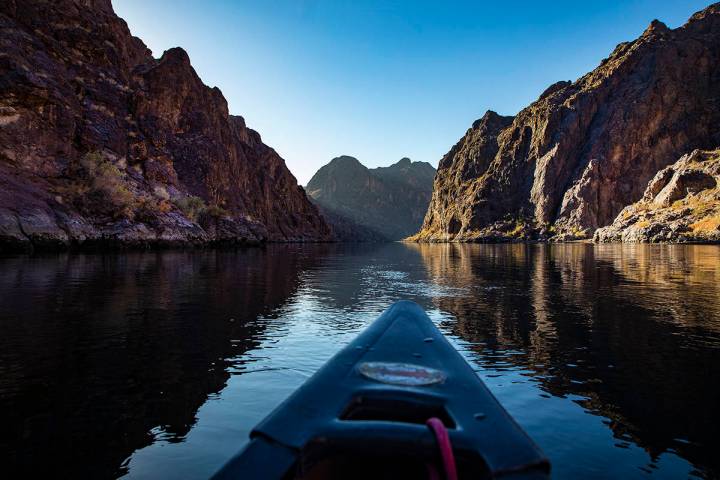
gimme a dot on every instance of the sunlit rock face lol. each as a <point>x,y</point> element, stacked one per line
<point>572,160</point>
<point>372,204</point>
<point>680,204</point>
<point>101,142</point>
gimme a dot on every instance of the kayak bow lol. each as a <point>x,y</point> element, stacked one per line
<point>365,414</point>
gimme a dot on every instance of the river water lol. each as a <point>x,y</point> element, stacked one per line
<point>158,364</point>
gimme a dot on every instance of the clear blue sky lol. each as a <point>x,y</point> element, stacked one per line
<point>385,79</point>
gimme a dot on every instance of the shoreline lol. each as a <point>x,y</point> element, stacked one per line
<point>119,246</point>
<point>590,241</point>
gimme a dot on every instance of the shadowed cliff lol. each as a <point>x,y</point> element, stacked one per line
<point>372,204</point>
<point>101,142</point>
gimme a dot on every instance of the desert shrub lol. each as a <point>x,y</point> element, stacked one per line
<point>161,192</point>
<point>195,209</point>
<point>91,162</point>
<point>518,230</point>
<point>577,232</point>
<point>216,211</point>
<point>103,188</point>
<point>164,206</point>
<point>191,206</point>
<point>148,207</point>
<point>707,225</point>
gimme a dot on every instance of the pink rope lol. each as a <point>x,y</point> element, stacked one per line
<point>446,453</point>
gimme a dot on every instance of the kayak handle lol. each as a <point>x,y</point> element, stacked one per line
<point>380,435</point>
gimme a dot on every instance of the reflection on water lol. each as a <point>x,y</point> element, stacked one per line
<point>631,334</point>
<point>101,355</point>
<point>157,365</point>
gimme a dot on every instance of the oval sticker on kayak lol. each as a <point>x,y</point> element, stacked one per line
<point>405,374</point>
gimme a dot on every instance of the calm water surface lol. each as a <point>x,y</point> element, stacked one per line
<point>157,365</point>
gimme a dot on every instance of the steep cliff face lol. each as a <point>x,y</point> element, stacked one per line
<point>385,203</point>
<point>100,142</point>
<point>569,162</point>
<point>680,204</point>
<point>456,181</point>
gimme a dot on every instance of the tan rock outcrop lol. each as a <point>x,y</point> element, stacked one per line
<point>680,204</point>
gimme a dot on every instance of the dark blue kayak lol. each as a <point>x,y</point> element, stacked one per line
<point>367,413</point>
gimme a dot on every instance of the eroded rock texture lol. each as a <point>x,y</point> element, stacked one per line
<point>572,160</point>
<point>680,204</point>
<point>100,142</point>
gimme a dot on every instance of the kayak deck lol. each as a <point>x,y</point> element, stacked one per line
<point>364,412</point>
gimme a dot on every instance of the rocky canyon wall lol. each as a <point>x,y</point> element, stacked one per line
<point>102,143</point>
<point>572,160</point>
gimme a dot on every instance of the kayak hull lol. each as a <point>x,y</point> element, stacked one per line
<point>368,405</point>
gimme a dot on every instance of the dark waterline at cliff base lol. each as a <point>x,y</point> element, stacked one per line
<point>157,365</point>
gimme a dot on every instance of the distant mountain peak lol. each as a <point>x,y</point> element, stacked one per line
<point>656,27</point>
<point>345,160</point>
<point>490,118</point>
<point>390,201</point>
